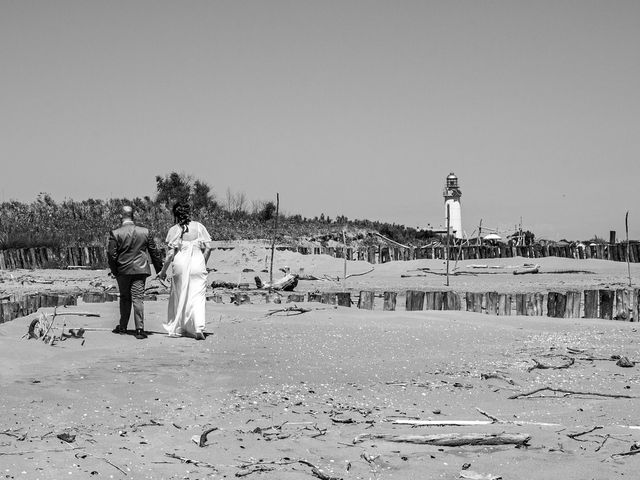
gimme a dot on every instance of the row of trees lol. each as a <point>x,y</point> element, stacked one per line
<point>45,222</point>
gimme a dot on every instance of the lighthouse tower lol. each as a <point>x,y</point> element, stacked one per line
<point>452,196</point>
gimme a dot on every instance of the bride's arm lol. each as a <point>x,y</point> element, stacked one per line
<point>167,261</point>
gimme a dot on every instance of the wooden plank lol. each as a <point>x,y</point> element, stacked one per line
<point>591,298</point>
<point>491,300</point>
<point>622,308</point>
<point>390,301</point>
<point>606,300</point>
<point>366,300</point>
<point>636,305</point>
<point>414,300</point>
<point>343,299</point>
<point>504,304</point>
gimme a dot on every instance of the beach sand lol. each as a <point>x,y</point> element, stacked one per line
<point>289,392</point>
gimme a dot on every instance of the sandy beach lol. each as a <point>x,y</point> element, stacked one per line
<point>287,395</point>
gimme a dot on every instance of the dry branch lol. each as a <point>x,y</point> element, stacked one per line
<point>451,439</point>
<point>568,392</point>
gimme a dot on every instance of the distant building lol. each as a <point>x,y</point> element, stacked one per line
<point>452,194</point>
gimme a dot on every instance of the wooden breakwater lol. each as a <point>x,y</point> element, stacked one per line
<point>619,304</point>
<point>23,305</point>
<point>95,256</point>
<point>381,254</point>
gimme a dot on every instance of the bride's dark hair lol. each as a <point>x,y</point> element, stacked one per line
<point>182,216</point>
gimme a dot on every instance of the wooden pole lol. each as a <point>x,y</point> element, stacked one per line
<point>273,243</point>
<point>344,253</point>
<point>448,235</point>
<point>626,227</point>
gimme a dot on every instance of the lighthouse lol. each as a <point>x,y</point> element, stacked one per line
<point>452,196</point>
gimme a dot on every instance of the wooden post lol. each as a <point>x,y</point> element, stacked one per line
<point>328,298</point>
<point>366,300</point>
<point>556,304</point>
<point>430,300</point>
<point>451,301</point>
<point>531,305</point>
<point>573,305</point>
<point>504,304</point>
<point>273,243</point>
<point>343,299</point>
<point>591,298</point>
<point>437,300</point>
<point>414,300</point>
<point>469,301</point>
<point>622,309</point>
<point>491,300</point>
<point>314,297</point>
<point>607,298</point>
<point>390,301</point>
<point>636,305</point>
<point>521,303</point>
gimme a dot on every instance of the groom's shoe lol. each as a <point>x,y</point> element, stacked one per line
<point>120,330</point>
<point>140,335</point>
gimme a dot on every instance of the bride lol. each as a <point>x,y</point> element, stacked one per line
<point>188,253</point>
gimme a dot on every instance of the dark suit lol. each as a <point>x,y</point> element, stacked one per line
<point>128,261</point>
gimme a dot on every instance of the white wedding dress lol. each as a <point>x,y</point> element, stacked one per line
<point>186,312</point>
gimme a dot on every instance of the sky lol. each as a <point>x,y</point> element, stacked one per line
<point>343,107</point>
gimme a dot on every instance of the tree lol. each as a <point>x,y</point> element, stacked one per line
<point>267,212</point>
<point>201,196</point>
<point>175,187</point>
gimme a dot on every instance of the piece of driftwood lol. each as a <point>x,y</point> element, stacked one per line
<point>450,439</point>
<point>197,463</point>
<point>359,274</point>
<point>568,392</point>
<point>575,436</point>
<point>543,366</point>
<point>497,376</point>
<point>295,310</point>
<point>202,439</point>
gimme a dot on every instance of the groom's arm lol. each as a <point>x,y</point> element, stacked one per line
<point>112,249</point>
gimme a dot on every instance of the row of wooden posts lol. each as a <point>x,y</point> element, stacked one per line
<point>382,254</point>
<point>620,304</point>
<point>95,256</point>
<point>44,257</point>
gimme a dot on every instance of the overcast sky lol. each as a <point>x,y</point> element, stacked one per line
<point>359,108</point>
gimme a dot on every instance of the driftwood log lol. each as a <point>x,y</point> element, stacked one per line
<point>568,392</point>
<point>450,439</point>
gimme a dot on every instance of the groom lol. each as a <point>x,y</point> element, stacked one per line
<point>128,261</point>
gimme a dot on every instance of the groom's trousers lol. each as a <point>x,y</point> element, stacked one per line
<point>131,293</point>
